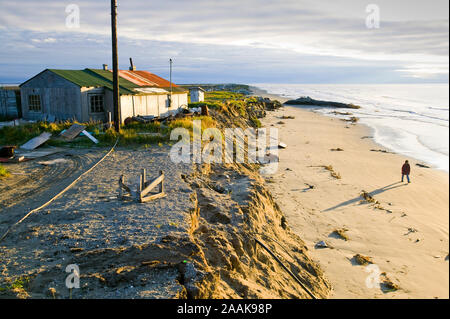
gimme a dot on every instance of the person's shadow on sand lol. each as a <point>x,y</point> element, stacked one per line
<point>372,193</point>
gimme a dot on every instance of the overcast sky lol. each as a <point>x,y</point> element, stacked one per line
<point>245,41</point>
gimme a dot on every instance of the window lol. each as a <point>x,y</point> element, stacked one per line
<point>34,102</point>
<point>97,103</point>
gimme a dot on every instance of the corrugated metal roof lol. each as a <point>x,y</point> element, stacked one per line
<point>136,79</point>
<point>153,78</point>
<point>95,78</point>
<point>129,81</point>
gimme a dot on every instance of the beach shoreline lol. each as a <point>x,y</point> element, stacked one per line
<point>404,232</point>
<point>393,124</point>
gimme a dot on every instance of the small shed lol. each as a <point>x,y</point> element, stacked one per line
<point>197,94</point>
<point>10,102</point>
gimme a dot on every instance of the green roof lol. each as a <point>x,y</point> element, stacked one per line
<point>96,78</point>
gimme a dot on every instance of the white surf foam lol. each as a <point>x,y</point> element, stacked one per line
<point>410,119</point>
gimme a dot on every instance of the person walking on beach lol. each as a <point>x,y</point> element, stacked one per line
<point>406,169</point>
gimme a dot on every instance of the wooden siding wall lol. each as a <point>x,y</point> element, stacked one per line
<point>87,115</point>
<point>59,97</point>
<point>9,102</point>
<point>151,104</point>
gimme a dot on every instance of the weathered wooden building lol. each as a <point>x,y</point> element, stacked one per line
<point>85,95</point>
<point>10,102</point>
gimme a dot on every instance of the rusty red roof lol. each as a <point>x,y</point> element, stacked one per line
<point>145,78</point>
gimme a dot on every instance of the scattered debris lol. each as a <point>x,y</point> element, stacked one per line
<point>289,117</point>
<point>144,188</point>
<point>310,186</point>
<point>72,132</point>
<point>362,260</point>
<point>41,153</point>
<point>282,145</point>
<point>352,119</point>
<point>387,285</point>
<point>16,159</point>
<point>341,113</point>
<point>321,244</point>
<point>332,171</point>
<point>382,151</point>
<point>341,233</point>
<point>336,149</point>
<point>368,198</point>
<point>36,142</point>
<point>364,137</point>
<point>281,122</point>
<point>53,162</point>
<point>88,135</point>
<point>423,165</point>
<point>411,231</point>
<point>205,111</point>
<point>7,151</point>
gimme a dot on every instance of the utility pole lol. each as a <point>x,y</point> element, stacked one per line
<point>117,120</point>
<point>170,104</point>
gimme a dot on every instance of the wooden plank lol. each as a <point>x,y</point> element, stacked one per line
<point>152,185</point>
<point>152,197</point>
<point>72,132</point>
<point>37,154</point>
<point>53,162</point>
<point>93,139</point>
<point>140,186</point>
<point>37,141</point>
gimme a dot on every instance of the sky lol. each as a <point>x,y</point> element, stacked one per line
<point>238,41</point>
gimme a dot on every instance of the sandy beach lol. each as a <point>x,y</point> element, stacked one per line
<point>404,232</point>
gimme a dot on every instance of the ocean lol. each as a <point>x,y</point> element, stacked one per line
<point>409,119</point>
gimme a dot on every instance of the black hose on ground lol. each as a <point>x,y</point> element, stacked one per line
<point>59,194</point>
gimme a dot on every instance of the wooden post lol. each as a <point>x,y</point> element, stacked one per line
<point>161,186</point>
<point>121,182</point>
<point>140,187</point>
<point>144,178</point>
<point>117,119</point>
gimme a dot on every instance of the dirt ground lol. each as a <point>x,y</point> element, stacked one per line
<point>90,227</point>
<point>198,242</point>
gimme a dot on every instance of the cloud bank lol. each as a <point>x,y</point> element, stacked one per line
<point>289,41</point>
